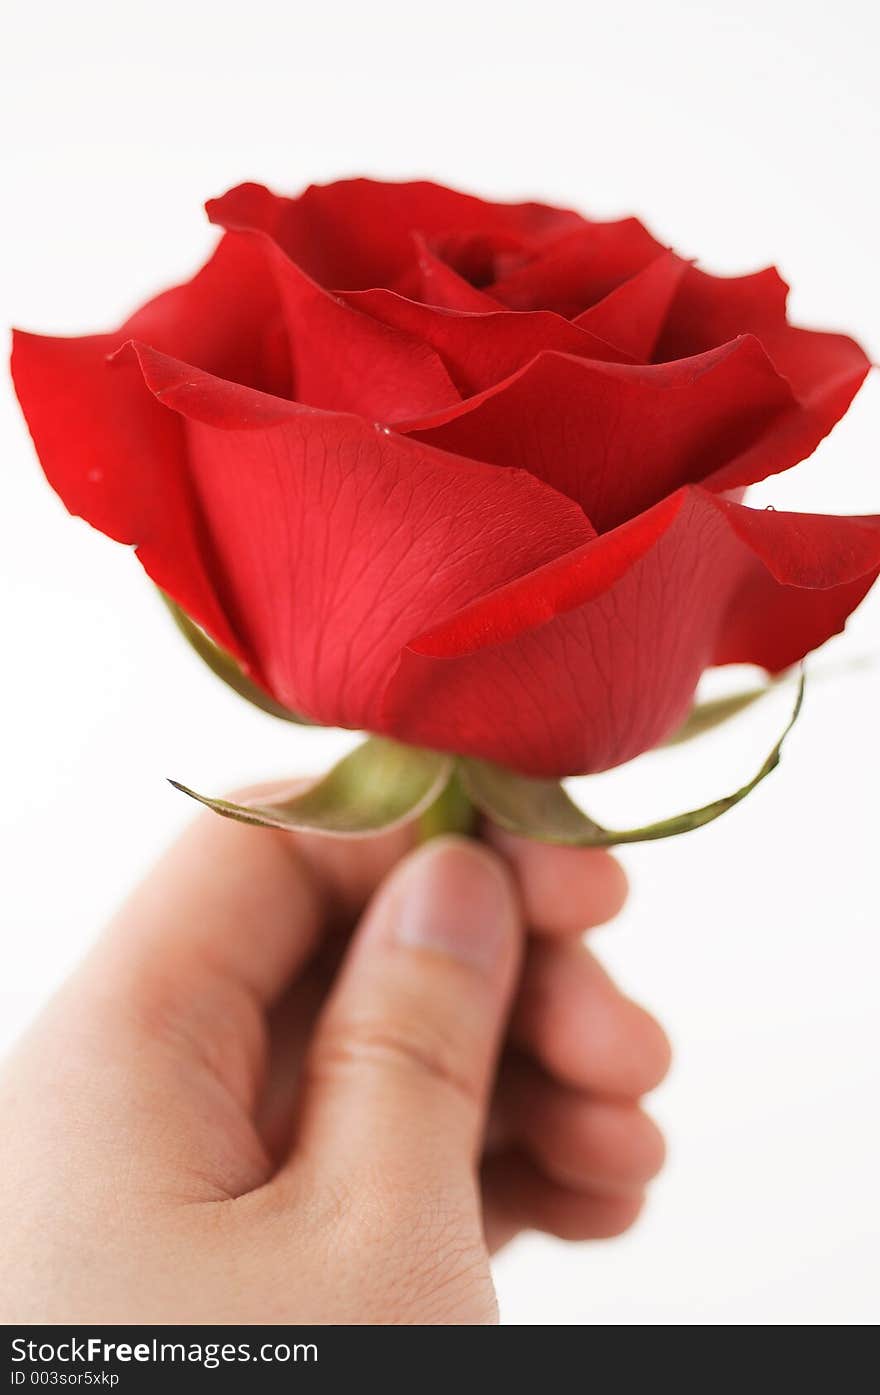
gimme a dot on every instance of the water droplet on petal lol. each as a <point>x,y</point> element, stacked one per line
<point>769,508</point>
<point>95,476</point>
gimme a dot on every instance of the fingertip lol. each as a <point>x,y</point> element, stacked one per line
<point>564,890</point>
<point>530,1198</point>
<point>628,1145</point>
<point>656,1050</point>
<point>457,896</point>
<point>604,1218</point>
<point>636,1051</point>
<point>574,1020</point>
<point>578,1140</point>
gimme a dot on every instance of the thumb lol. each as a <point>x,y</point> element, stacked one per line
<point>401,1063</point>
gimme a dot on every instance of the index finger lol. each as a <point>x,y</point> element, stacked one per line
<point>243,904</point>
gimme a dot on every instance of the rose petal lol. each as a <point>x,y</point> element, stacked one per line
<point>339,541</point>
<point>633,315</point>
<point>619,437</point>
<point>115,457</point>
<point>356,233</point>
<point>824,370</point>
<point>579,268</point>
<point>479,350</point>
<point>346,361</point>
<point>595,658</point>
<point>773,624</point>
<point>435,281</point>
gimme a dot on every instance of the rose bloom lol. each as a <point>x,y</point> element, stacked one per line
<point>466,474</point>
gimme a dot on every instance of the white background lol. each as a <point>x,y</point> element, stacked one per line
<point>744,133</point>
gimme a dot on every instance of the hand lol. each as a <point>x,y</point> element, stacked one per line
<point>236,1111</point>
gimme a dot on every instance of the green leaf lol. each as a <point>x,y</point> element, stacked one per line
<point>225,666</point>
<point>378,785</point>
<point>541,809</point>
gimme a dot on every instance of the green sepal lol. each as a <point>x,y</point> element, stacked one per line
<point>706,715</point>
<point>451,812</point>
<point>225,667</point>
<point>378,785</point>
<point>541,809</point>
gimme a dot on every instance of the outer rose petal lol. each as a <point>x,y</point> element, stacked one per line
<point>114,455</point>
<point>619,437</point>
<point>338,542</point>
<point>595,658</point>
<point>356,233</point>
<point>824,370</point>
<point>775,625</point>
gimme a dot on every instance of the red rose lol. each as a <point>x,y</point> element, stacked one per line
<point>464,473</point>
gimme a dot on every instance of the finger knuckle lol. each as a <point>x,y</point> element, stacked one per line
<point>406,1048</point>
